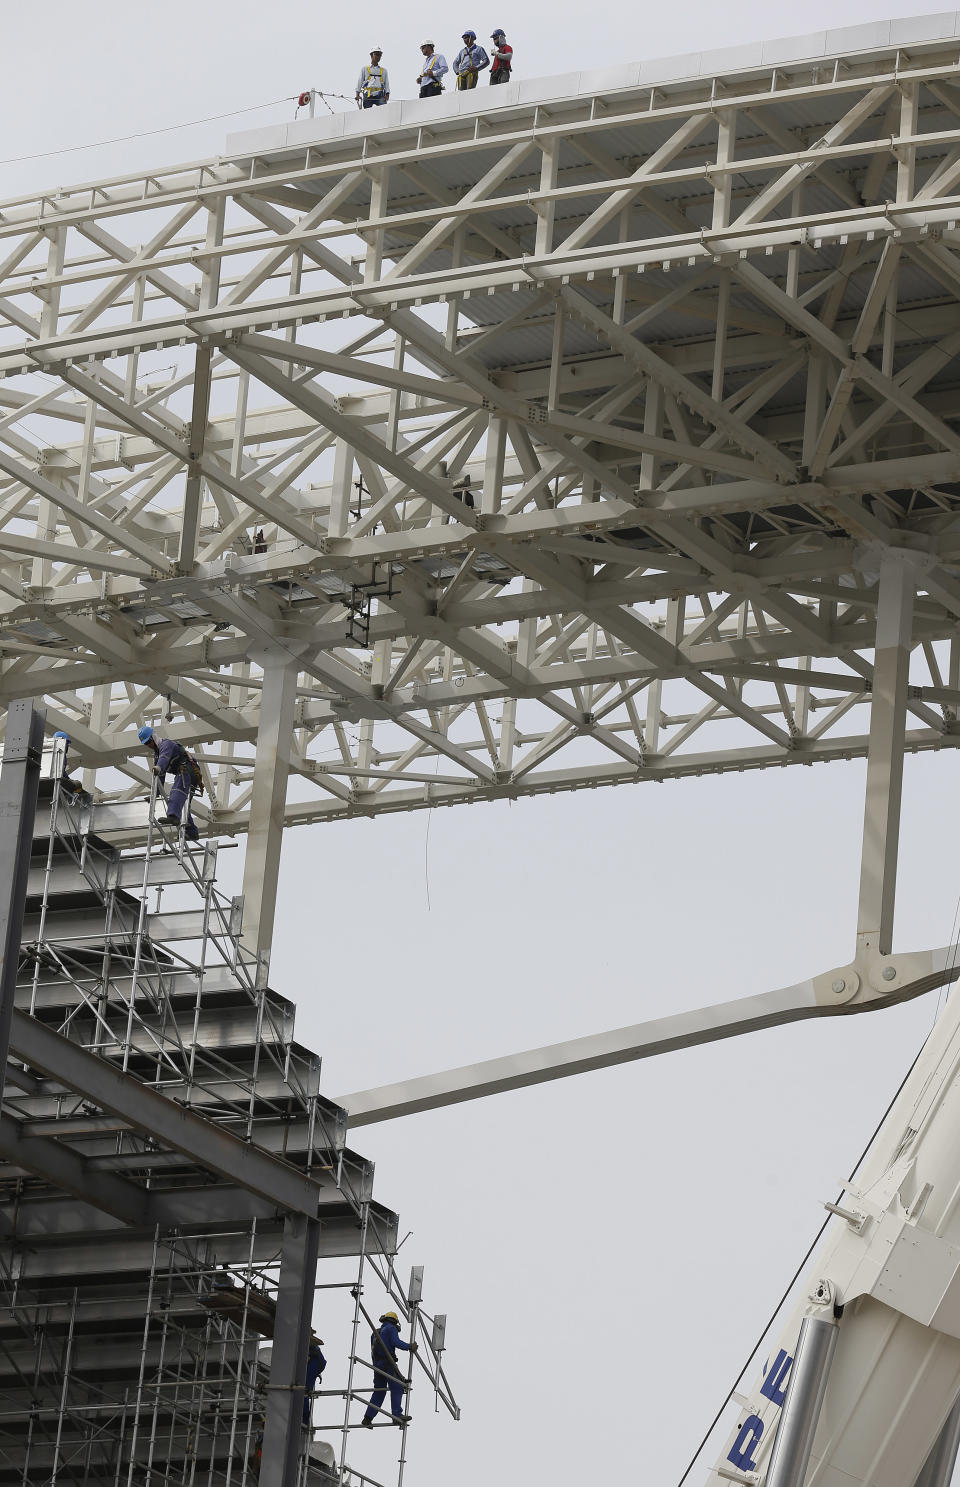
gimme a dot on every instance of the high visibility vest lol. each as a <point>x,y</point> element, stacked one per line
<point>374,81</point>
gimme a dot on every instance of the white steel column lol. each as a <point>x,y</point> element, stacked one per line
<point>888,715</point>
<point>267,803</point>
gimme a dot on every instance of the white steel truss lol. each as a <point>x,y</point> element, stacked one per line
<point>517,452</point>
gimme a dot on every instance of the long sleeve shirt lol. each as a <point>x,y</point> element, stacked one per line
<point>502,57</point>
<point>434,68</point>
<point>372,80</point>
<point>383,1348</point>
<point>171,756</point>
<point>470,59</point>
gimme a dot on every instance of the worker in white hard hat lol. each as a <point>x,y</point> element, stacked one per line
<point>373,85</point>
<point>470,61</point>
<point>501,64</point>
<point>433,69</point>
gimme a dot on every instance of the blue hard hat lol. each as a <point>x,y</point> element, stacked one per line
<point>145,734</point>
<point>60,734</point>
<point>498,31</point>
<point>469,32</point>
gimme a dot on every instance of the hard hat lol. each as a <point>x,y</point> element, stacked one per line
<point>499,32</point>
<point>469,32</point>
<point>60,734</point>
<point>390,1316</point>
<point>425,43</point>
<point>376,49</point>
<point>145,734</point>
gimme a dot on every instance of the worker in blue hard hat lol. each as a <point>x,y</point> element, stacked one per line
<point>433,69</point>
<point>501,65</point>
<point>386,1371</point>
<point>470,61</point>
<point>170,757</point>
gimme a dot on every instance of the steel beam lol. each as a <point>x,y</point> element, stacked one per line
<point>888,713</point>
<point>284,1436</point>
<point>267,804</point>
<point>19,786</point>
<point>205,1143</point>
<point>805,999</point>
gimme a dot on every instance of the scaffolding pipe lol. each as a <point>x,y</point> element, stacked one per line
<point>938,1467</point>
<point>801,1408</point>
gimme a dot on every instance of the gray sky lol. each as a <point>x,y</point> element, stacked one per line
<point>606,1248</point>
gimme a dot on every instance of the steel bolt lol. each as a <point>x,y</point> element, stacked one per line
<point>839,985</point>
<point>889,973</point>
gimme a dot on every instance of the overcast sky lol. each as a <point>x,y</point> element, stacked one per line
<point>607,1248</point>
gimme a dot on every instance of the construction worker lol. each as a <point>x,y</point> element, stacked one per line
<point>502,64</point>
<point>386,1374</point>
<point>470,62</point>
<point>373,85</point>
<point>170,757</point>
<point>434,67</point>
<point>316,1363</point>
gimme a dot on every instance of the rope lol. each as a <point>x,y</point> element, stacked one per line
<point>148,133</point>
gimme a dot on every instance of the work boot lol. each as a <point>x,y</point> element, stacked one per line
<point>401,1419</point>
<point>367,1424</point>
<point>171,820</point>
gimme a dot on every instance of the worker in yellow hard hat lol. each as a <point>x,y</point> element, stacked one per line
<point>386,1372</point>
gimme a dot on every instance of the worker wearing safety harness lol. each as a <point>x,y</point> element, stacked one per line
<point>470,62</point>
<point>373,85</point>
<point>386,1373</point>
<point>502,63</point>
<point>170,757</point>
<point>434,67</point>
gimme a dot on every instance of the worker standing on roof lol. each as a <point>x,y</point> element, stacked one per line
<point>386,1373</point>
<point>434,67</point>
<point>373,85</point>
<point>316,1363</point>
<point>502,63</point>
<point>470,62</point>
<point>170,757</point>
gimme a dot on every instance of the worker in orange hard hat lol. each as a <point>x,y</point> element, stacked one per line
<point>386,1372</point>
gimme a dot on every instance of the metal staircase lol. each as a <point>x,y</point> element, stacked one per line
<point>139,1286</point>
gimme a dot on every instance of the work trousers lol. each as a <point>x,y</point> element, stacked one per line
<point>501,76</point>
<point>181,795</point>
<point>430,90</point>
<point>375,101</point>
<point>381,1383</point>
<point>466,80</point>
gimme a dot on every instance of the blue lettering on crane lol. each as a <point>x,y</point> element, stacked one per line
<point>741,1453</point>
<point>774,1385</point>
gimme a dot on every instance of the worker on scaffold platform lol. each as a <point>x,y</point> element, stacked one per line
<point>470,61</point>
<point>434,67</point>
<point>373,85</point>
<point>386,1373</point>
<point>501,66</point>
<point>170,757</point>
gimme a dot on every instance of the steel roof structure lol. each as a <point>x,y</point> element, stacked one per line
<point>602,430</point>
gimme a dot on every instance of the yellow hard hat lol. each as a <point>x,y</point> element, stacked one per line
<point>390,1316</point>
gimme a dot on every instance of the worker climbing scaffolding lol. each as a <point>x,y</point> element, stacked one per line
<point>384,1342</point>
<point>170,757</point>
